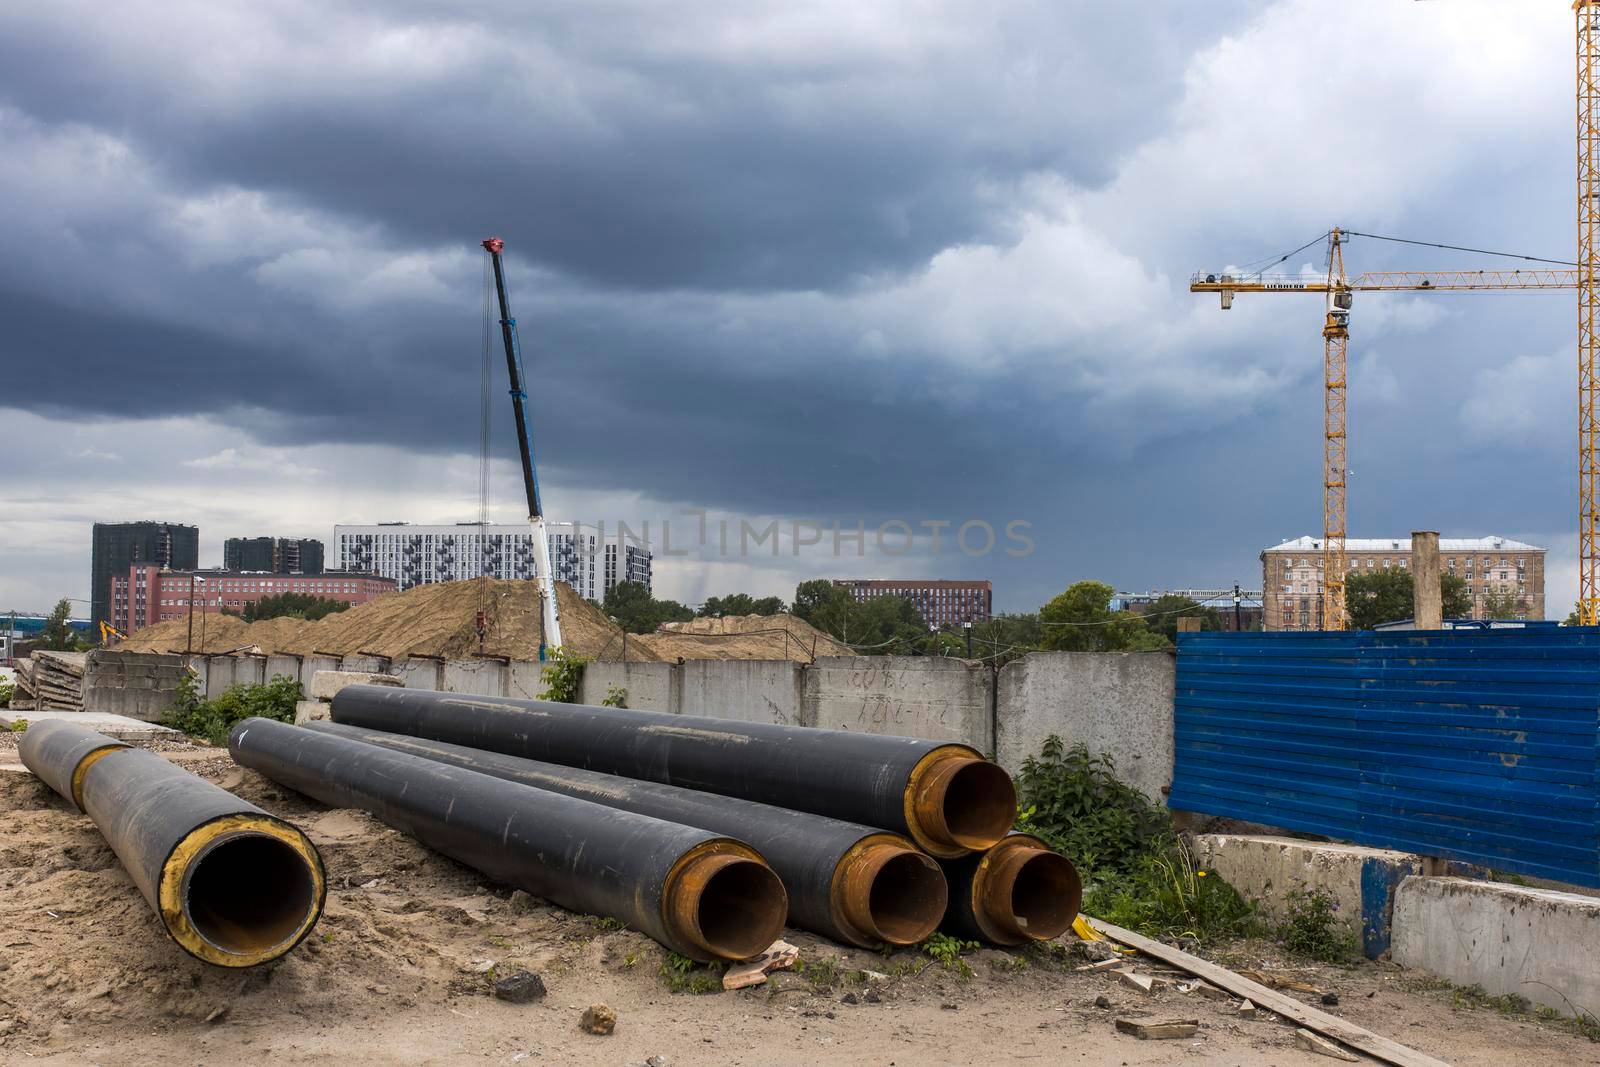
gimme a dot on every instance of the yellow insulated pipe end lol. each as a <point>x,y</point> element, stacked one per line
<point>241,890</point>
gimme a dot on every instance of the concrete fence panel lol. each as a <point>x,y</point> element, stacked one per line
<point>743,690</point>
<point>1119,704</point>
<point>480,677</point>
<point>910,696</point>
<point>650,686</point>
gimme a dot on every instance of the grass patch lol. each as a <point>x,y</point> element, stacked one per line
<point>210,720</point>
<point>1584,1024</point>
<point>822,973</point>
<point>680,974</point>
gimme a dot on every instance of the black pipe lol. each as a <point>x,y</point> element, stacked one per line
<point>846,881</point>
<point>702,894</point>
<point>946,797</point>
<point>233,885</point>
<point>1017,891</point>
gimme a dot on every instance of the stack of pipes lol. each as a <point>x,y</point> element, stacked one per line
<point>708,835</point>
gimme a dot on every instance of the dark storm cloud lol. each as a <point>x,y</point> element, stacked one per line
<point>730,235</point>
<point>624,149</point>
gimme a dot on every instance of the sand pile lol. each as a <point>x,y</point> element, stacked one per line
<point>740,637</point>
<point>429,620</point>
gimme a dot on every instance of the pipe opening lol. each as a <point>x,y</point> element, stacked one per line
<point>979,805</point>
<point>1045,896</point>
<point>249,893</point>
<point>907,898</point>
<point>741,909</point>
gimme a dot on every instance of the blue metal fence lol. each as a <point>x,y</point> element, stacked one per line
<point>1478,746</point>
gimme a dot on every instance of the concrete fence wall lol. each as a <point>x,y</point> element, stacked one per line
<point>1119,704</point>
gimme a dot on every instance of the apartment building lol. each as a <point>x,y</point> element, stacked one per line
<point>276,555</point>
<point>1496,570</point>
<point>590,559</point>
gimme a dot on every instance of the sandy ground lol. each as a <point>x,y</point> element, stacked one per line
<point>397,972</point>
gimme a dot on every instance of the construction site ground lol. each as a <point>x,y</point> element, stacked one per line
<point>400,970</point>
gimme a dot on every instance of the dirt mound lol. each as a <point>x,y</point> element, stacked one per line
<point>428,620</point>
<point>741,637</point>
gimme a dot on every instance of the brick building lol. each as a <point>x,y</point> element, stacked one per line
<point>148,594</point>
<point>1498,567</point>
<point>940,603</point>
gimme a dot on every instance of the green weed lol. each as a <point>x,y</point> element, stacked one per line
<point>947,951</point>
<point>822,973</point>
<point>562,675</point>
<point>211,720</point>
<point>1312,928</point>
<point>680,974</point>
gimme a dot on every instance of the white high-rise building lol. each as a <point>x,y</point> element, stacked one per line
<point>585,557</point>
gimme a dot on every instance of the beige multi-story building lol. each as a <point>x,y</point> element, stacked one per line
<point>1494,568</point>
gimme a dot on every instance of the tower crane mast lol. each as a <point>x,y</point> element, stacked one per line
<point>1338,291</point>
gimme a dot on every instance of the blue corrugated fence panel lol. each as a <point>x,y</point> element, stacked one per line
<point>1474,745</point>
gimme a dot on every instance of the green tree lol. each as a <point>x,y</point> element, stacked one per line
<point>885,625</point>
<point>1457,602</point>
<point>57,634</point>
<point>637,612</point>
<point>741,604</point>
<point>1572,619</point>
<point>813,596</point>
<point>1164,612</point>
<point>1080,619</point>
<point>1505,605</point>
<point>1388,595</point>
<point>290,605</point>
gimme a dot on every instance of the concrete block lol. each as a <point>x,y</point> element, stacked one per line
<point>1534,943</point>
<point>1362,881</point>
<point>909,696</point>
<point>1119,704</point>
<point>311,710</point>
<point>326,684</point>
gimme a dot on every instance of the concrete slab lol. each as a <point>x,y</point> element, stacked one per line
<point>111,725</point>
<point>1509,939</point>
<point>1361,880</point>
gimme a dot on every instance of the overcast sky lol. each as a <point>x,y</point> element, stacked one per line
<point>833,262</point>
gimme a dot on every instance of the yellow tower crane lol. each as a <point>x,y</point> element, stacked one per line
<point>1585,279</point>
<point>1338,291</point>
<point>1588,18</point>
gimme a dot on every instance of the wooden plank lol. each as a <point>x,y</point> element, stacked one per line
<point>1166,1030</point>
<point>1363,1040</point>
